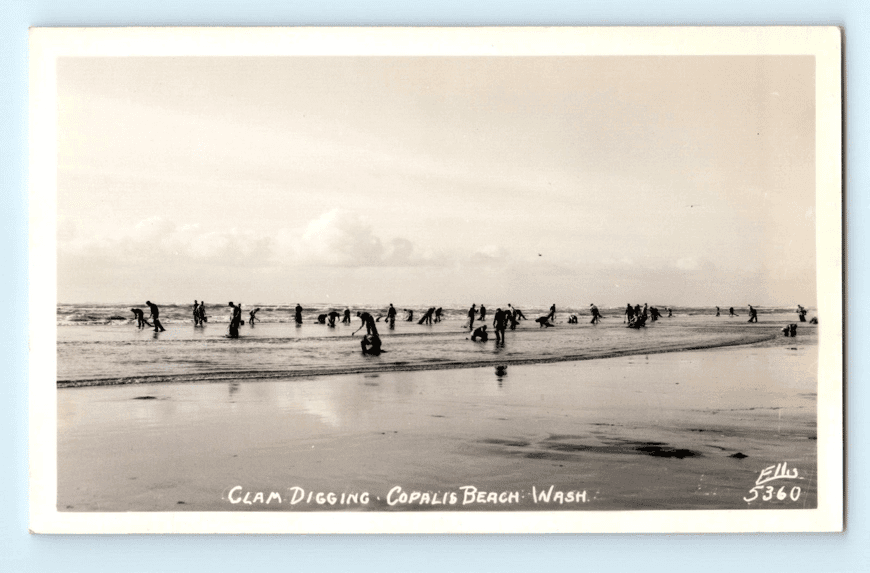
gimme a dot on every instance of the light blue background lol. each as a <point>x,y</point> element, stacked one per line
<point>20,551</point>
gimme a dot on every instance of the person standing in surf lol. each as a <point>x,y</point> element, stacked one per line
<point>499,322</point>
<point>155,316</point>
<point>346,318</point>
<point>482,313</point>
<point>368,322</point>
<point>717,311</point>
<point>596,316</point>
<point>731,312</point>
<point>235,320</point>
<point>472,312</point>
<point>629,313</point>
<point>298,314</point>
<point>195,313</point>
<point>253,315</point>
<point>753,314</point>
<point>552,315</point>
<point>202,317</point>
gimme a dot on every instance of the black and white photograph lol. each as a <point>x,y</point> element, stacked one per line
<point>436,280</point>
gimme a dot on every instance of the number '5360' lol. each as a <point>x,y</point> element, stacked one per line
<point>768,492</point>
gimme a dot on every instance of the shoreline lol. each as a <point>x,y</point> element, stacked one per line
<point>394,367</point>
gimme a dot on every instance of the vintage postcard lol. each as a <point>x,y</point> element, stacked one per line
<point>411,280</point>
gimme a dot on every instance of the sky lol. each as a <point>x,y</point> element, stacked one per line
<point>678,181</point>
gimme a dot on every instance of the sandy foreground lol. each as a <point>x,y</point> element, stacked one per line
<point>666,431</point>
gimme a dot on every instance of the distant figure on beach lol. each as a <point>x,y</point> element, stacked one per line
<point>253,316</point>
<point>410,316</point>
<point>753,314</point>
<point>511,319</point>
<point>717,311</point>
<point>391,316</point>
<point>155,316</point>
<point>638,322</point>
<point>438,312</point>
<point>654,314</point>
<point>572,319</point>
<point>427,317</point>
<point>637,311</point>
<point>482,313</point>
<point>235,320</point>
<point>368,322</point>
<point>629,313</point>
<point>814,320</point>
<point>298,314</point>
<point>346,318</point>
<point>140,318</point>
<point>802,313</point>
<point>670,313</point>
<point>596,316</point>
<point>552,315</point>
<point>480,334</point>
<point>321,318</point>
<point>789,330</point>
<point>731,312</point>
<point>645,313</point>
<point>202,317</point>
<point>333,316</point>
<point>544,321</point>
<point>195,313</point>
<point>499,322</point>
<point>472,312</point>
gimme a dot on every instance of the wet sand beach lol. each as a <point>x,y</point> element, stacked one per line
<point>679,430</point>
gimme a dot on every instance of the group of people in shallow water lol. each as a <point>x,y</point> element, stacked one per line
<point>502,320</point>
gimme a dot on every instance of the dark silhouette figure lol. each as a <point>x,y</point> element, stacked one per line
<point>371,344</point>
<point>333,316</point>
<point>802,313</point>
<point>670,313</point>
<point>753,314</point>
<point>235,320</point>
<point>654,314</point>
<point>298,314</point>
<point>552,315</point>
<point>346,318</point>
<point>472,312</point>
<point>596,316</point>
<point>427,317</point>
<point>155,316</point>
<point>731,312</point>
<point>195,313</point>
<point>629,313</point>
<point>321,318</point>
<point>499,322</point>
<point>516,313</point>
<point>480,334</point>
<point>202,317</point>
<point>438,312</point>
<point>140,318</point>
<point>253,316</point>
<point>638,322</point>
<point>544,321</point>
<point>717,311</point>
<point>391,316</point>
<point>482,313</point>
<point>572,319</point>
<point>368,322</point>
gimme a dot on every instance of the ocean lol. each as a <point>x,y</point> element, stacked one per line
<point>101,344</point>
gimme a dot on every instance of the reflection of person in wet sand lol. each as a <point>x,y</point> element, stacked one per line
<point>155,316</point>
<point>480,334</point>
<point>500,323</point>
<point>670,313</point>
<point>140,318</point>
<point>753,314</point>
